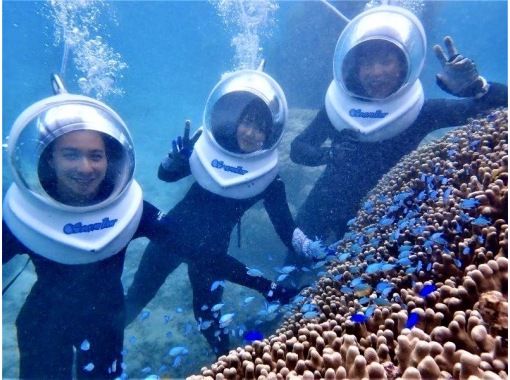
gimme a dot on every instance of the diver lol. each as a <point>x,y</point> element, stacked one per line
<point>234,163</point>
<point>73,208</point>
<point>375,112</point>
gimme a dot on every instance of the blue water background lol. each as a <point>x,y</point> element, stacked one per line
<point>176,52</point>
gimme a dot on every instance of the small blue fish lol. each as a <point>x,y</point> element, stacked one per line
<point>204,325</point>
<point>469,203</point>
<point>474,144</point>
<point>346,290</point>
<point>373,268</point>
<point>359,318</point>
<point>387,267</point>
<point>380,301</point>
<point>217,284</point>
<point>451,153</point>
<point>287,269</point>
<point>368,206</point>
<point>252,335</point>
<point>405,261</point>
<point>481,221</point>
<point>188,328</point>
<point>89,367</point>
<point>438,238</point>
<point>146,370</point>
<point>254,272</point>
<point>145,314</point>
<point>457,263</point>
<point>217,307</point>
<point>282,277</point>
<point>351,222</point>
<point>427,289</point>
<point>247,300</point>
<point>466,251</point>
<point>85,345</point>
<point>178,350</point>
<point>177,361</point>
<point>370,311</point>
<point>168,318</point>
<point>364,300</point>
<point>446,195</point>
<point>226,319</point>
<point>386,221</point>
<point>132,339</point>
<point>412,320</point>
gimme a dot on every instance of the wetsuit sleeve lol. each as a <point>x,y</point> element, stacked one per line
<point>11,246</point>
<point>275,202</point>
<point>151,224</point>
<point>173,168</point>
<point>307,149</point>
<point>439,113</point>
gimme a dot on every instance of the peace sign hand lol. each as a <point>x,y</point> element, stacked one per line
<point>459,75</point>
<point>183,146</point>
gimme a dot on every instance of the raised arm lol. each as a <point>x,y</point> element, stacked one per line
<point>176,165</point>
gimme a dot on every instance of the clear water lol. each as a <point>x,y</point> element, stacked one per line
<point>155,63</point>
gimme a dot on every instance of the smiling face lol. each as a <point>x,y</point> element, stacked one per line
<point>80,163</point>
<point>250,135</point>
<point>380,74</point>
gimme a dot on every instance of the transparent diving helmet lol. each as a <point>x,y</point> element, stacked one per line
<point>374,35</point>
<point>248,98</point>
<point>71,151</point>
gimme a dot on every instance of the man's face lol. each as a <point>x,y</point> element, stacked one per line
<point>380,74</point>
<point>250,135</point>
<point>80,163</point>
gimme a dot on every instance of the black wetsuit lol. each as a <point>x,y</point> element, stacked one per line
<point>355,168</point>
<point>201,224</point>
<point>71,304</point>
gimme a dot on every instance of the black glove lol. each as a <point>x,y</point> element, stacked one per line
<point>182,147</point>
<point>340,152</point>
<point>459,75</point>
<point>282,294</point>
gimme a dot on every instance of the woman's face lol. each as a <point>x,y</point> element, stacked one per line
<point>80,163</point>
<point>250,135</point>
<point>380,74</point>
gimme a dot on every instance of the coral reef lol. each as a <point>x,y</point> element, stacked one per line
<point>418,288</point>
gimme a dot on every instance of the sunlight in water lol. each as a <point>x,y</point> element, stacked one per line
<point>250,20</point>
<point>78,26</point>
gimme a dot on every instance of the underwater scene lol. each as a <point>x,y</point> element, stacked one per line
<point>390,260</point>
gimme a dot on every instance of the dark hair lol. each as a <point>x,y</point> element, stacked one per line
<point>369,48</point>
<point>114,154</point>
<point>256,110</point>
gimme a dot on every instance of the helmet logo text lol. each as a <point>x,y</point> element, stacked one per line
<point>221,165</point>
<point>357,112</point>
<point>78,228</point>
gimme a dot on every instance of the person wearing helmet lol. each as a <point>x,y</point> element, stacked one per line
<point>73,208</point>
<point>234,164</point>
<point>375,112</point>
